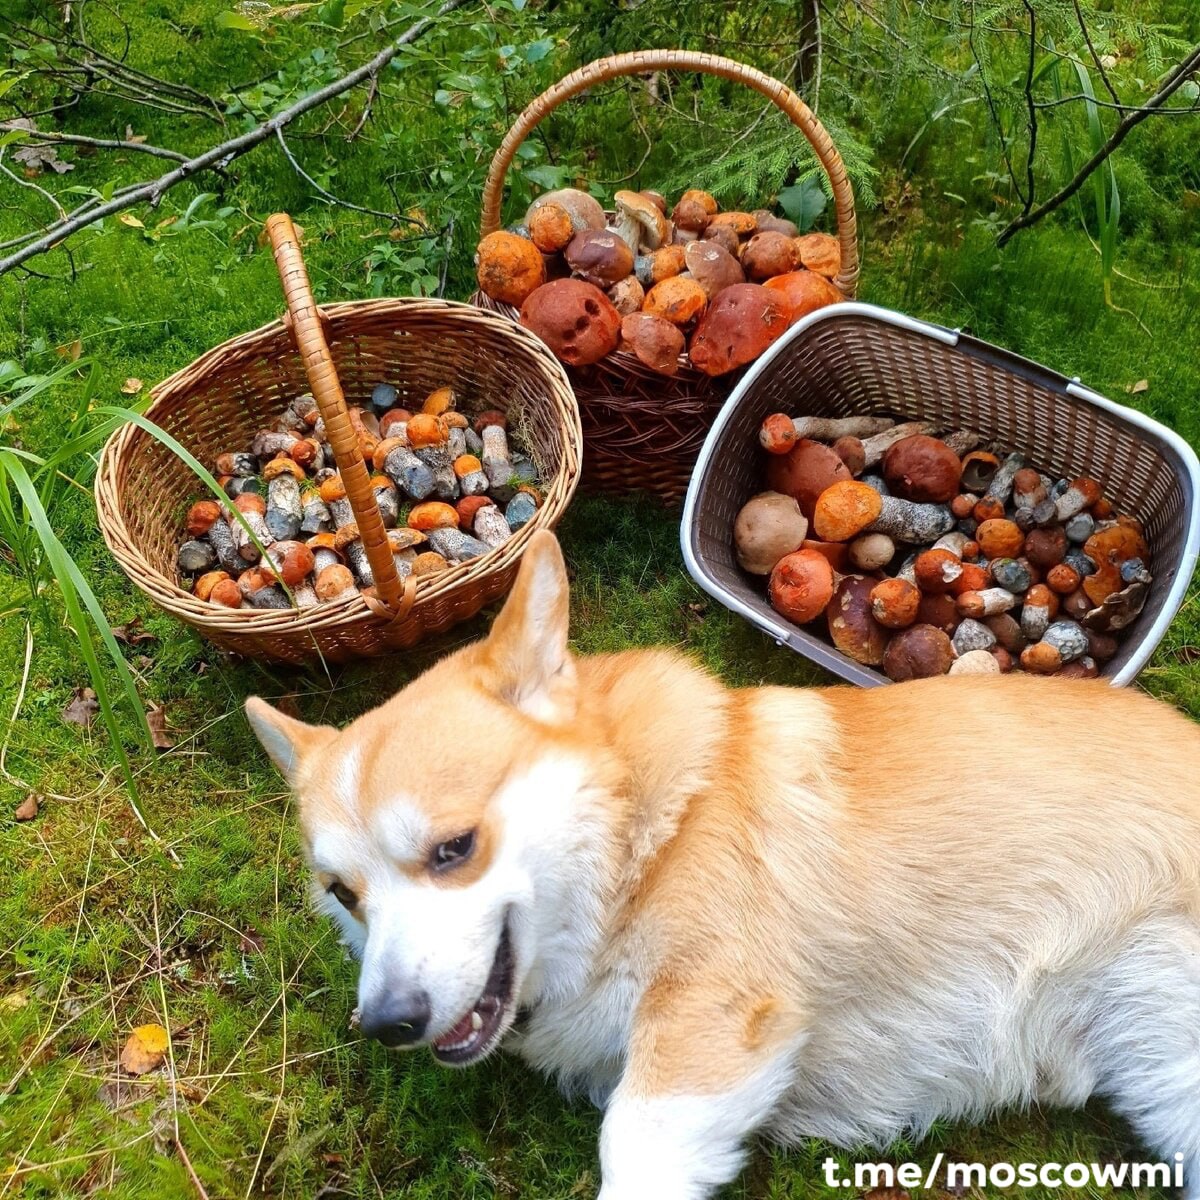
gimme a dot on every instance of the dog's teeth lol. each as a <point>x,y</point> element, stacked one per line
<point>476,1021</point>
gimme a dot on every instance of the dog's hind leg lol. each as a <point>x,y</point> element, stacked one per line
<point>1145,1039</point>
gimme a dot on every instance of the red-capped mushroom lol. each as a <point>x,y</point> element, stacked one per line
<point>805,291</point>
<point>768,254</point>
<point>575,319</point>
<point>510,267</point>
<point>742,321</point>
<point>805,472</point>
<point>801,586</point>
<point>654,340</point>
<point>681,301</point>
<point>820,252</point>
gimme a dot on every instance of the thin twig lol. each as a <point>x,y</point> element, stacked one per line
<point>1087,37</point>
<point>326,194</point>
<point>1031,108</point>
<point>991,104</point>
<point>1173,82</point>
<point>151,191</point>
<point>78,139</point>
<point>372,92</point>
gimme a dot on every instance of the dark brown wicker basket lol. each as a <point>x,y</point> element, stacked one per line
<point>856,359</point>
<point>340,352</point>
<point>642,430</point>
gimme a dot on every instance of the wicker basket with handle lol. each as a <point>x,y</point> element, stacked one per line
<point>339,353</point>
<point>644,430</point>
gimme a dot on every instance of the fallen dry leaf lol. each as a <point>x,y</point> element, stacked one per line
<point>27,809</point>
<point>130,220</point>
<point>71,350</point>
<point>132,633</point>
<point>36,159</point>
<point>137,138</point>
<point>1136,389</point>
<point>156,718</point>
<point>252,941</point>
<point>83,708</point>
<point>14,1001</point>
<point>145,1049</point>
<point>131,386</point>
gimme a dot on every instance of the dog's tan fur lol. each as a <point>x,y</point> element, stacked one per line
<point>787,882</point>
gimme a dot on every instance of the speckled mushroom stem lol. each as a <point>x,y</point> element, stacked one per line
<point>906,521</point>
<point>1002,485</point>
<point>829,429</point>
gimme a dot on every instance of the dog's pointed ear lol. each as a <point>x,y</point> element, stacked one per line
<point>287,741</point>
<point>527,647</point>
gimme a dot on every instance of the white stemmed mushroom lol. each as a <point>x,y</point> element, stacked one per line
<point>638,222</point>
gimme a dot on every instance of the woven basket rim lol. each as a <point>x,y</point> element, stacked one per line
<point>124,444</point>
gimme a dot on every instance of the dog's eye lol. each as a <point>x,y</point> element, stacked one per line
<point>450,853</point>
<point>342,894</point>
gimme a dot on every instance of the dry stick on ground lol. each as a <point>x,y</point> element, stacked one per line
<point>1171,85</point>
<point>152,191</point>
<point>45,137</point>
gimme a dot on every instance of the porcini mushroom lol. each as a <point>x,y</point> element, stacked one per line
<point>712,266</point>
<point>767,527</point>
<point>768,254</point>
<point>639,222</point>
<point>599,256</point>
<point>852,624</point>
<point>918,652</point>
<point>922,469</point>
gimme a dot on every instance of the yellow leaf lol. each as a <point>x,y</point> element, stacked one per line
<point>14,1001</point>
<point>130,220</point>
<point>71,350</point>
<point>132,386</point>
<point>145,1049</point>
<point>166,221</point>
<point>1142,385</point>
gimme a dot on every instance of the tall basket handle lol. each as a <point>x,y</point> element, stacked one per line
<point>310,340</point>
<point>638,62</point>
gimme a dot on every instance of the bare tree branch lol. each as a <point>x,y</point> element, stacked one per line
<point>1170,86</point>
<point>78,139</point>
<point>1031,108</point>
<point>151,191</point>
<point>1087,37</point>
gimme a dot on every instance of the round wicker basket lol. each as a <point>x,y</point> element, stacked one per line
<point>643,430</point>
<point>339,352</point>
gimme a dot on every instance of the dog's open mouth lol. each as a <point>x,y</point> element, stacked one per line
<point>481,1028</point>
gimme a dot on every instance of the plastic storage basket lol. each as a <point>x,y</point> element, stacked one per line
<point>852,359</point>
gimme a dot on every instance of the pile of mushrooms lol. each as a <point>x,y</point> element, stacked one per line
<point>720,285</point>
<point>449,488</point>
<point>931,555</point>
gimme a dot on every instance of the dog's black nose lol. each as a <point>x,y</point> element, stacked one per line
<point>400,1020</point>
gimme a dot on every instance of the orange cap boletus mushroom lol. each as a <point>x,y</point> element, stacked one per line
<point>510,267</point>
<point>655,341</point>
<point>742,321</point>
<point>575,319</point>
<point>801,585</point>
<point>679,300</point>
<point>805,291</point>
<point>550,227</point>
<point>820,252</point>
<point>770,253</point>
<point>844,509</point>
<point>804,472</point>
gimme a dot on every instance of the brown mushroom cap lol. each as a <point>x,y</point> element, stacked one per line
<point>768,254</point>
<point>820,252</point>
<point>510,267</point>
<point>584,210</point>
<point>627,296</point>
<point>575,319</point>
<point>656,198</point>
<point>923,469</point>
<point>767,527</point>
<point>895,603</point>
<point>805,291</point>
<point>691,216</point>
<point>804,472</point>
<point>550,228</point>
<point>724,236</point>
<point>768,222</point>
<point>852,626</point>
<point>801,586</point>
<point>677,299</point>
<point>918,652</point>
<point>599,256</point>
<point>660,264</point>
<point>742,321</point>
<point>655,341</point>
<point>712,266</point>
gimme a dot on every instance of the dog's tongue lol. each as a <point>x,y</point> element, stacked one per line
<point>460,1033</point>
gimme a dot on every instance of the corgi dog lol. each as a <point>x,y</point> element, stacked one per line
<point>803,913</point>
